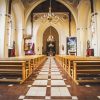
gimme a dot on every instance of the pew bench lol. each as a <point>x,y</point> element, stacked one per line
<point>86,71</point>
<point>18,69</point>
<point>35,61</point>
<point>13,71</point>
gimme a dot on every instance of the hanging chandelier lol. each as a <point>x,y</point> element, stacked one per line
<point>50,14</point>
<point>52,17</point>
<point>50,39</point>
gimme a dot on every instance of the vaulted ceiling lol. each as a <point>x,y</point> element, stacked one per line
<point>56,6</point>
<point>71,1</point>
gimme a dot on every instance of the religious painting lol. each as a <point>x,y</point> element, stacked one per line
<point>28,46</point>
<point>71,45</point>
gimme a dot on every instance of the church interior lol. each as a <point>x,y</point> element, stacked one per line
<point>49,50</point>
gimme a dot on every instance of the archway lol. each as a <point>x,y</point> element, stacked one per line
<point>39,27</point>
<point>70,7</point>
<point>50,46</point>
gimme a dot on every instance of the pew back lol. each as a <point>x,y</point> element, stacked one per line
<point>87,68</point>
<point>19,66</point>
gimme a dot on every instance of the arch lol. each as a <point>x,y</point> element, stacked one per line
<point>38,36</point>
<point>56,39</point>
<point>74,12</point>
<point>71,8</point>
<point>28,12</point>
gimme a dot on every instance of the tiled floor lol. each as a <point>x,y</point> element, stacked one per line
<point>49,82</point>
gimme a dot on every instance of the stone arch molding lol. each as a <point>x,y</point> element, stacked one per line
<point>72,9</point>
<point>55,36</point>
<point>39,36</point>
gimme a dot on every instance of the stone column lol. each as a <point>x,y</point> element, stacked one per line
<point>81,41</point>
<point>97,27</point>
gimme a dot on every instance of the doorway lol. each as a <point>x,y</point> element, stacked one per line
<point>51,48</point>
<point>50,42</point>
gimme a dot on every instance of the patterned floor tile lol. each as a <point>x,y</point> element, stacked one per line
<point>42,77</point>
<point>74,98</point>
<point>68,85</point>
<point>55,70</point>
<point>40,82</point>
<point>48,97</point>
<point>48,84</point>
<point>56,77</point>
<point>36,91</point>
<point>21,97</point>
<point>53,73</point>
<point>43,73</point>
<point>59,91</point>
<point>44,70</point>
<point>57,82</point>
<point>29,86</point>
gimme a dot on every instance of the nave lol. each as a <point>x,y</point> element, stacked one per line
<point>49,82</point>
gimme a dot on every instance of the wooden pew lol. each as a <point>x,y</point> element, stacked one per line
<point>70,61</point>
<point>23,65</point>
<point>11,67</point>
<point>64,61</point>
<point>35,61</point>
<point>87,68</point>
<point>27,63</point>
<point>68,66</point>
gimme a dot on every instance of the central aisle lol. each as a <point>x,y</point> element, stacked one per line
<point>49,84</point>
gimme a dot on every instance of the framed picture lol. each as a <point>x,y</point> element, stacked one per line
<point>71,45</point>
<point>28,46</point>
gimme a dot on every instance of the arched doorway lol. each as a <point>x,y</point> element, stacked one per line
<point>61,21</point>
<point>50,41</point>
